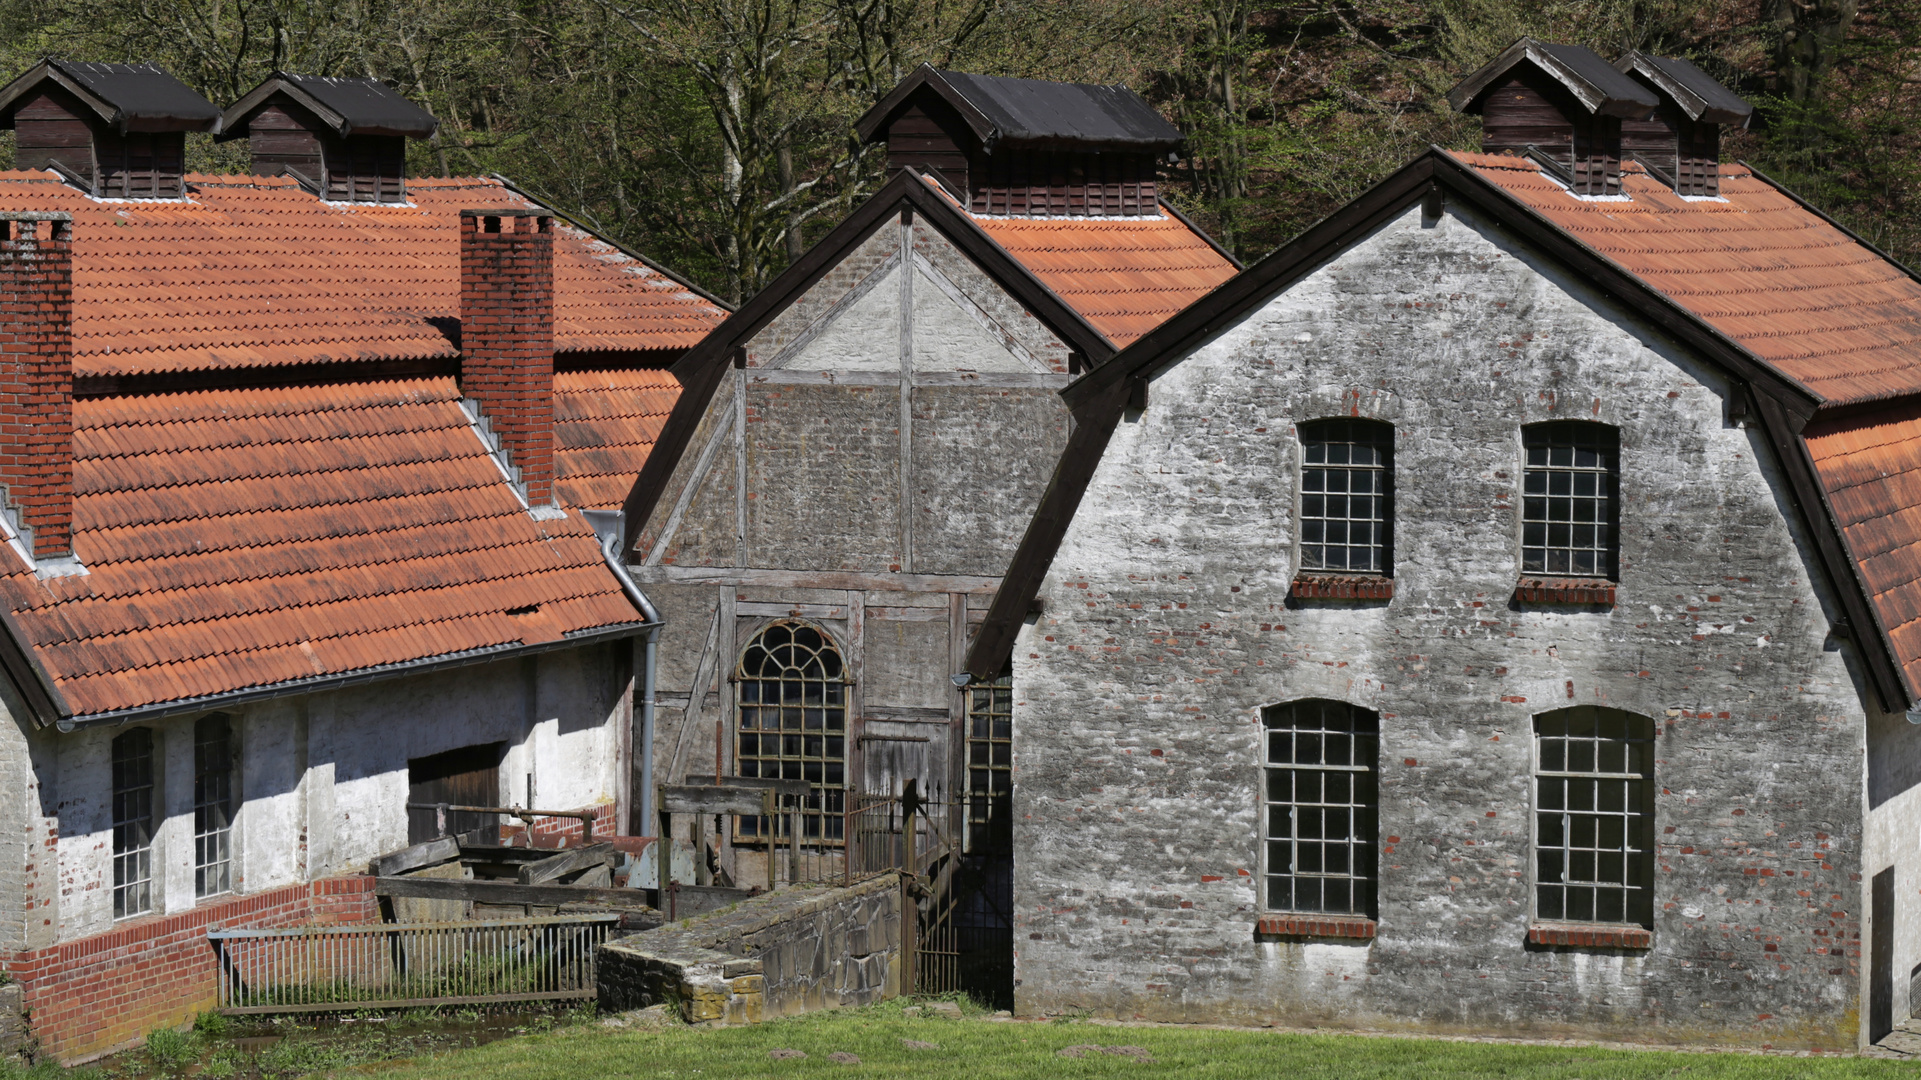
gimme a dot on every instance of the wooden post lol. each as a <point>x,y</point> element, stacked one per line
<point>793,839</point>
<point>909,909</point>
<point>702,875</point>
<point>663,843</point>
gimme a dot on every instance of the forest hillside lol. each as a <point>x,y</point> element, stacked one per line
<point>717,135</point>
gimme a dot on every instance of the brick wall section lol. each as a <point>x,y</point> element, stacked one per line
<point>102,993</point>
<point>549,832</point>
<point>507,335</point>
<point>36,375</point>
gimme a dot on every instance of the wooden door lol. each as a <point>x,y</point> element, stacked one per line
<point>469,776</point>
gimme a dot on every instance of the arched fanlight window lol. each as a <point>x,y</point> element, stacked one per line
<point>792,687</point>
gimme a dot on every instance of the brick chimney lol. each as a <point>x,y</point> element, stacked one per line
<point>507,338</point>
<point>36,378</point>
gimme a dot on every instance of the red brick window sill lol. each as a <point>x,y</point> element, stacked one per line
<point>1590,935</point>
<point>1343,587</point>
<point>1320,926</point>
<point>1534,590</point>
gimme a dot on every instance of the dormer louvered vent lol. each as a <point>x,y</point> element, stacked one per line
<point>1561,102</point>
<point>1681,142</point>
<point>1026,147</point>
<point>343,139</point>
<point>116,131</point>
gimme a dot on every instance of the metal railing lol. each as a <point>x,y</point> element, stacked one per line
<point>405,965</point>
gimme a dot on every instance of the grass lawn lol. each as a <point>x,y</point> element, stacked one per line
<point>978,1049</point>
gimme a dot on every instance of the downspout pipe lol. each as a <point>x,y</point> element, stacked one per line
<point>610,528</point>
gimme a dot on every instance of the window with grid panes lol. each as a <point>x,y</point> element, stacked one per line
<point>1594,817</point>
<point>1568,499</point>
<point>133,823</point>
<point>792,725</point>
<point>212,805</point>
<point>1347,480</point>
<point>990,776</point>
<point>1321,806</point>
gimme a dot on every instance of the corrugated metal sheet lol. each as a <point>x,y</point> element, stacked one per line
<point>241,538</point>
<point>253,271</point>
<point>1125,276</point>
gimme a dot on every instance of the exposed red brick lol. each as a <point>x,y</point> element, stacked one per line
<point>1314,926</point>
<point>507,336</point>
<point>1343,587</point>
<point>1564,591</point>
<point>36,378</point>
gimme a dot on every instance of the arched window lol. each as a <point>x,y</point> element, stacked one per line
<point>792,687</point>
<point>1594,816</point>
<point>1322,801</point>
<point>1347,497</point>
<point>1569,499</point>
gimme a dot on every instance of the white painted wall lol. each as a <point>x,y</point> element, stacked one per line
<point>322,786</point>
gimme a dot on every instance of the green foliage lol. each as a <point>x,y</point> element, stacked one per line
<point>974,1048</point>
<point>716,135</point>
<point>170,1050</point>
<point>211,1025</point>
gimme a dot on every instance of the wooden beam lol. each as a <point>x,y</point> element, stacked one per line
<point>567,862</point>
<point>506,892</point>
<point>815,579</point>
<point>711,799</point>
<point>430,853</point>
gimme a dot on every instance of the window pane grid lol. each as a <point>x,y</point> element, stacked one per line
<point>990,758</point>
<point>133,823</point>
<point>792,697</point>
<point>1320,808</point>
<point>1567,505</point>
<point>212,806</point>
<point>1345,478</point>
<point>1593,822</point>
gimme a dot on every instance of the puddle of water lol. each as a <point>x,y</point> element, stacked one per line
<point>273,1049</point>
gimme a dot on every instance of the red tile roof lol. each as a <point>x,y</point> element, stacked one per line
<point>605,424</point>
<point>1790,288</point>
<point>254,271</point>
<point>1124,275</point>
<point>1803,296</point>
<point>242,538</point>
<point>1871,468</point>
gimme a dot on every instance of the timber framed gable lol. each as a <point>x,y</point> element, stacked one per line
<point>1006,303</point>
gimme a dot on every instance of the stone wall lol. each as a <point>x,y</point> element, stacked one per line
<point>795,950</point>
<point>13,1021</point>
<point>1167,625</point>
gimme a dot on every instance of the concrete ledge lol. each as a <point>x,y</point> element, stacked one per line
<point>794,950</point>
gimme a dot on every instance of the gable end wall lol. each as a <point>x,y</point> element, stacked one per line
<point>1167,625</point>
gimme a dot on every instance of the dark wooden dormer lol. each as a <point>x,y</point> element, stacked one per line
<point>343,139</point>
<point>1681,142</point>
<point>1560,102</point>
<point>116,131</point>
<point>1025,147</point>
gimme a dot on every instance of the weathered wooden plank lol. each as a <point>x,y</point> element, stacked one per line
<point>429,853</point>
<point>764,783</point>
<point>710,799</point>
<point>906,614</point>
<point>567,862</point>
<point>761,609</point>
<point>501,892</point>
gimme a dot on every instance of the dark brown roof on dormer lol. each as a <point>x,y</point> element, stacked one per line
<point>131,97</point>
<point>349,106</point>
<point>1694,90</point>
<point>1592,80</point>
<point>1034,112</point>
